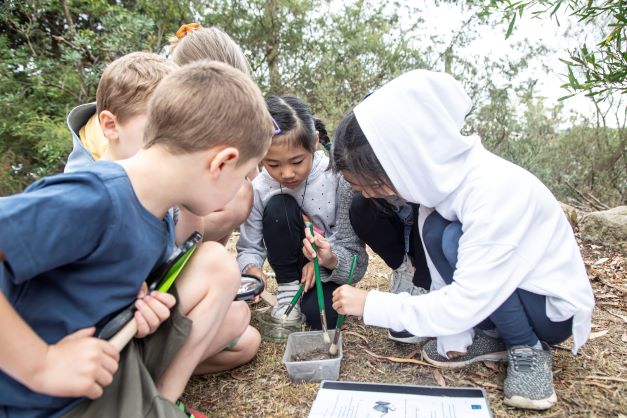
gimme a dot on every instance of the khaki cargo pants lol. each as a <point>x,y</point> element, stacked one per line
<point>132,392</point>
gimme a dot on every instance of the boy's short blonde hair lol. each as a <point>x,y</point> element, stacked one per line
<point>207,43</point>
<point>128,83</point>
<point>207,104</point>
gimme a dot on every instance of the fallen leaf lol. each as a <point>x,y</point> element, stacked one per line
<point>597,334</point>
<point>413,353</point>
<point>624,337</point>
<point>623,317</point>
<point>268,297</point>
<point>492,365</point>
<point>600,261</point>
<point>437,376</point>
<point>240,376</point>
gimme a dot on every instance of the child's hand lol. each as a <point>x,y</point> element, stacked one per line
<point>326,256</point>
<point>348,300</point>
<point>308,276</point>
<point>256,271</point>
<point>152,310</point>
<point>78,365</point>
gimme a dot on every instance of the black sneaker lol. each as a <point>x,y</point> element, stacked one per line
<point>482,348</point>
<point>529,381</point>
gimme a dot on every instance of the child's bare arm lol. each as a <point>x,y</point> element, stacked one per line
<point>78,365</point>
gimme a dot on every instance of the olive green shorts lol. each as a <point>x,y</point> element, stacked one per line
<point>133,392</point>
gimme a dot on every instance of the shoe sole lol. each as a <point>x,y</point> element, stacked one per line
<point>537,404</point>
<point>452,364</point>
<point>407,340</point>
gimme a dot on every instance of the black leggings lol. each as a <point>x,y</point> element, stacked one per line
<point>283,234</point>
<point>381,229</point>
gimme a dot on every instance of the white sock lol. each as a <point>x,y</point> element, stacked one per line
<point>538,346</point>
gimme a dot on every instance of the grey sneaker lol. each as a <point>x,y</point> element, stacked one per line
<point>529,381</point>
<point>482,348</point>
<point>285,293</point>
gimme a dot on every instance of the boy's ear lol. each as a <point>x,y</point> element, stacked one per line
<point>109,125</point>
<point>221,158</point>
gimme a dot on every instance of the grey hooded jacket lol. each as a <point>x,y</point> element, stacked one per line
<point>326,198</point>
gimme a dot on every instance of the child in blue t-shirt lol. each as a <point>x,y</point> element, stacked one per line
<point>122,97</point>
<point>76,248</point>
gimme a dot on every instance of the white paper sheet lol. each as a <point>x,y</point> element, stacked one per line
<point>342,403</point>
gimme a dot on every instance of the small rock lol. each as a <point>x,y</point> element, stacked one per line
<point>608,226</point>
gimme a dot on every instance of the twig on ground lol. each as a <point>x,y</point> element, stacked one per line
<point>610,378</point>
<point>399,359</point>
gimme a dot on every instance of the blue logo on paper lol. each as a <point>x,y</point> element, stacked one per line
<point>384,407</point>
<point>475,406</point>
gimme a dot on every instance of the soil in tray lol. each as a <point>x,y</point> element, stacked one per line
<point>317,354</point>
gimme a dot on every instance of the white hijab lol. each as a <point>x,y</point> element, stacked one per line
<point>413,125</point>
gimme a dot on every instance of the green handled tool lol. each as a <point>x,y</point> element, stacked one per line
<point>293,302</point>
<point>166,275</point>
<point>323,317</point>
<point>340,318</point>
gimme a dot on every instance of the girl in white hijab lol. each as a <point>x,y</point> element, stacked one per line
<point>501,253</point>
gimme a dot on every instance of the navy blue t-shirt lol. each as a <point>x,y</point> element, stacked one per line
<point>77,248</point>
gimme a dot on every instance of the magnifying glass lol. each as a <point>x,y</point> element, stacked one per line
<point>250,286</point>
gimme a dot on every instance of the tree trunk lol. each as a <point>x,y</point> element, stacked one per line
<point>272,46</point>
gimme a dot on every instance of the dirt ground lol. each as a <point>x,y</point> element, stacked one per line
<point>591,384</point>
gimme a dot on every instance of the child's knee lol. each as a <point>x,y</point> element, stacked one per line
<point>253,341</point>
<point>248,344</point>
<point>239,313</point>
<point>218,267</point>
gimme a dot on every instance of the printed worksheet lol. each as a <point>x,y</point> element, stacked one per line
<point>362,400</point>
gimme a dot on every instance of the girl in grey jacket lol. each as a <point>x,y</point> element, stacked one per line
<point>293,189</point>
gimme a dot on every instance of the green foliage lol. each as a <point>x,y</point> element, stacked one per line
<point>328,53</point>
<point>579,164</point>
<point>51,56</point>
<point>597,71</point>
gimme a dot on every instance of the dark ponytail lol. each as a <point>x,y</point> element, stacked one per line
<point>325,141</point>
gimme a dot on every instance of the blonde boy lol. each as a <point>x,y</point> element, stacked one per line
<point>207,127</point>
<point>112,128</point>
<point>117,122</point>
